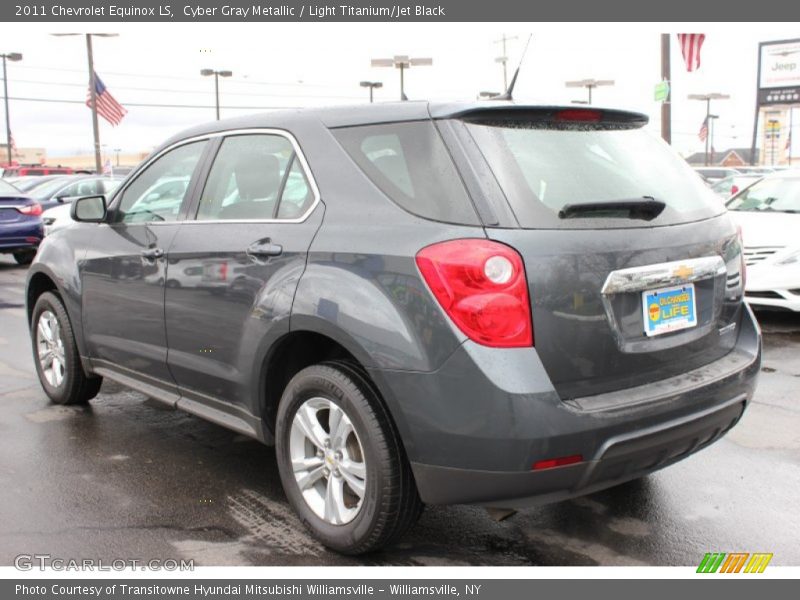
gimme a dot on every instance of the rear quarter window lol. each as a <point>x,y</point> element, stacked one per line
<point>411,165</point>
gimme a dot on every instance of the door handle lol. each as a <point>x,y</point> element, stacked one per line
<point>152,253</point>
<point>264,249</point>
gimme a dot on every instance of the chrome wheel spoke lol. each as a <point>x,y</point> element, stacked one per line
<point>306,419</point>
<point>356,484</point>
<point>334,500</point>
<point>50,348</point>
<point>306,479</point>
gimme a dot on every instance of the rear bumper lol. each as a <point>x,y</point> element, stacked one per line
<point>20,235</point>
<point>474,428</point>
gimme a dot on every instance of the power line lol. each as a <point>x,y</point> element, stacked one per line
<point>175,91</point>
<point>148,105</point>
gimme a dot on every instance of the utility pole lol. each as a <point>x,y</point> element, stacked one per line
<point>12,56</point>
<point>98,165</point>
<point>503,60</point>
<point>217,75</point>
<point>666,105</point>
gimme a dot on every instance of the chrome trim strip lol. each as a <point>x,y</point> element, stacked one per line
<point>232,132</point>
<point>637,279</point>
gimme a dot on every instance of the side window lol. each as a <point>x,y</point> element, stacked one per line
<point>158,192</point>
<point>253,176</point>
<point>297,195</point>
<point>411,165</point>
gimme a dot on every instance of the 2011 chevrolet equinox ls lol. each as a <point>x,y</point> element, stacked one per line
<point>416,303</point>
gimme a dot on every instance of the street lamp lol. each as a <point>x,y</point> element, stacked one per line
<point>217,75</point>
<point>13,57</point>
<point>402,62</point>
<point>92,90</point>
<point>589,84</point>
<point>116,152</point>
<point>372,85</point>
<point>707,98</point>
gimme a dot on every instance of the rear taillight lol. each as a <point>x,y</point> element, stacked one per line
<point>581,115</point>
<point>32,210</point>
<point>482,287</point>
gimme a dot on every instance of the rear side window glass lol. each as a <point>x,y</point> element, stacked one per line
<point>541,170</point>
<point>251,179</point>
<point>410,164</point>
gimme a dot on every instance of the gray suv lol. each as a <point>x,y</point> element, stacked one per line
<point>416,303</point>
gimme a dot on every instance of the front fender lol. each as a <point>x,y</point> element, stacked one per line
<point>58,259</point>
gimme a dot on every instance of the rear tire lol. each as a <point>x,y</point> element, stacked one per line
<point>24,257</point>
<point>324,396</point>
<point>56,356</point>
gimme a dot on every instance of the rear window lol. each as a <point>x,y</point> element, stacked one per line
<point>410,164</point>
<point>542,169</point>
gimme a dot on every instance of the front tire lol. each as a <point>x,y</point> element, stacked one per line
<point>24,257</point>
<point>341,462</point>
<point>55,354</point>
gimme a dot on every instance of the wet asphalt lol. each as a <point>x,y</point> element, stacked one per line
<point>126,478</point>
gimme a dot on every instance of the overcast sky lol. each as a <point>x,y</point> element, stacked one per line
<point>311,64</point>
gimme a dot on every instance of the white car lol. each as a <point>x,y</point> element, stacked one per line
<point>768,213</point>
<point>56,218</point>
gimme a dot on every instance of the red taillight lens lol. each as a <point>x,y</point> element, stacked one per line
<point>482,287</point>
<point>32,210</point>
<point>562,461</point>
<point>582,115</point>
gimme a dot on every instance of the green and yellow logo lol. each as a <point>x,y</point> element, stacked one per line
<point>734,562</point>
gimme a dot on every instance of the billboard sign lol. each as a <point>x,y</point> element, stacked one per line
<point>779,72</point>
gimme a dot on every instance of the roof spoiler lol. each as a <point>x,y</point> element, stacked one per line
<point>567,116</point>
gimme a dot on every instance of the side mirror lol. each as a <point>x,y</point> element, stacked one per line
<point>89,209</point>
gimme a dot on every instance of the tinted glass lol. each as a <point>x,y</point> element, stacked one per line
<point>542,169</point>
<point>296,196</point>
<point>410,164</point>
<point>246,179</point>
<point>769,195</point>
<point>158,192</point>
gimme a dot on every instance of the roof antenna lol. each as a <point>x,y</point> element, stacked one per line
<point>509,93</point>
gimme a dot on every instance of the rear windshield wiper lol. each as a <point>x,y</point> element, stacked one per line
<point>645,208</point>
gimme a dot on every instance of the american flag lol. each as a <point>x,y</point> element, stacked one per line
<point>690,48</point>
<point>107,107</point>
<point>703,133</point>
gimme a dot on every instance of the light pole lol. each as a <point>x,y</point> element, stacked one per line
<point>711,119</point>
<point>217,75</point>
<point>589,84</point>
<point>116,153</point>
<point>98,166</point>
<point>402,62</point>
<point>707,98</point>
<point>372,85</point>
<point>13,57</point>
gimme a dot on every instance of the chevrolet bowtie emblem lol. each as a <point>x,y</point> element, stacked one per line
<point>683,272</point>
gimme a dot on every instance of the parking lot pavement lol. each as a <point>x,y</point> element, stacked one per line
<point>127,478</point>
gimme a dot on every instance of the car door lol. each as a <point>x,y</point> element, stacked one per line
<point>124,270</point>
<point>234,268</point>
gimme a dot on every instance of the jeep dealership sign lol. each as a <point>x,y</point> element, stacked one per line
<point>779,72</point>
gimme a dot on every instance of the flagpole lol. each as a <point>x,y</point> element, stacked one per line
<point>93,91</point>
